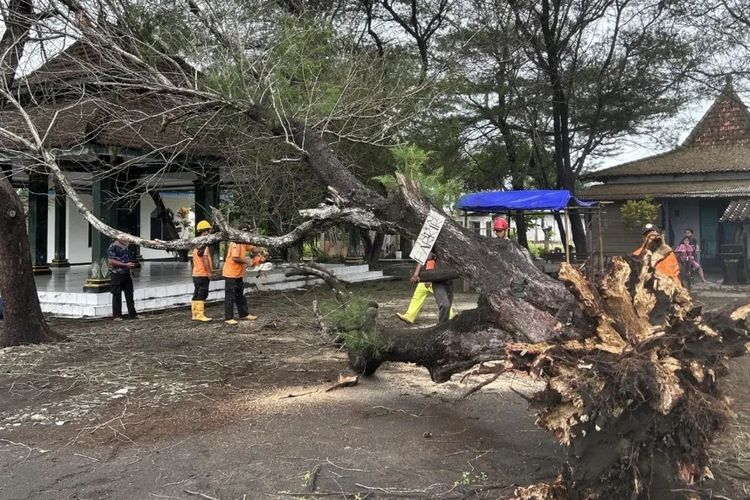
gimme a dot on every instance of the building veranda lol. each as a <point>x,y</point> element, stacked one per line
<point>143,162</point>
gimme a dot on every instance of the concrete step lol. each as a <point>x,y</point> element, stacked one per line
<point>88,305</point>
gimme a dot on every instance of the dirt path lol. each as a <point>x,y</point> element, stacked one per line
<point>166,408</point>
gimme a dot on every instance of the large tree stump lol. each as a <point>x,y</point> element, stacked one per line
<point>631,380</point>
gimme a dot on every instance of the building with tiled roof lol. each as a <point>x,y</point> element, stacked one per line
<point>693,184</point>
<point>136,157</point>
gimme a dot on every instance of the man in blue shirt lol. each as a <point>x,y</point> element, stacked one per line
<point>122,279</point>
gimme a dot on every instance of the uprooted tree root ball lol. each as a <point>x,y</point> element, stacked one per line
<point>633,398</point>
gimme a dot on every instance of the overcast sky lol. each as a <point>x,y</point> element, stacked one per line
<point>682,124</point>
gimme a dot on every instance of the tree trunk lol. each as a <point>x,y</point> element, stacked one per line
<point>373,248</point>
<point>561,228</point>
<point>167,223</point>
<point>23,319</point>
<point>521,228</point>
<point>630,363</point>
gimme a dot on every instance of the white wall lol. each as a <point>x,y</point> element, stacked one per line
<point>77,246</point>
<point>533,234</point>
<point>173,201</point>
<point>78,250</point>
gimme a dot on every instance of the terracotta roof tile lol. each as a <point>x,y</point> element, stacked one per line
<point>727,122</point>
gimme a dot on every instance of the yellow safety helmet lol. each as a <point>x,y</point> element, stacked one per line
<point>203,225</point>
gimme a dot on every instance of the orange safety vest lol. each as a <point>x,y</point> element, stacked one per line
<point>234,269</point>
<point>199,264</point>
<point>668,266</point>
<point>430,264</point>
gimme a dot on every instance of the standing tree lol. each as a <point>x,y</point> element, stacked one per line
<point>24,322</point>
<point>610,68</point>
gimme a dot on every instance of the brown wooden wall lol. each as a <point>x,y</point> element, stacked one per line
<point>616,238</point>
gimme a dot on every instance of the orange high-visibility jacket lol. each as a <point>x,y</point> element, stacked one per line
<point>667,265</point>
<point>201,267</point>
<point>234,269</point>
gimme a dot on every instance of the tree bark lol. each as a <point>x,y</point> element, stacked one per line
<point>632,395</point>
<point>373,248</point>
<point>521,227</point>
<point>523,299</point>
<point>23,319</point>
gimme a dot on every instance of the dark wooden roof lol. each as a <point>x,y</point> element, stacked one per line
<point>683,161</point>
<point>82,63</point>
<point>737,211</point>
<point>146,122</point>
<point>69,109</point>
<point>720,142</point>
<point>675,189</point>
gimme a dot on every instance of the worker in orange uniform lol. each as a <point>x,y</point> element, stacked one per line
<point>420,293</point>
<point>234,282</point>
<point>661,257</point>
<point>202,272</point>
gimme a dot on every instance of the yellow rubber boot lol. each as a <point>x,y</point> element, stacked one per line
<point>193,309</point>
<point>417,300</point>
<point>452,313</point>
<point>200,307</point>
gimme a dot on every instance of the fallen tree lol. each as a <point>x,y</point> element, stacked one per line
<point>630,363</point>
<point>631,384</point>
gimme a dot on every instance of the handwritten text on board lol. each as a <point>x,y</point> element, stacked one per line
<point>427,237</point>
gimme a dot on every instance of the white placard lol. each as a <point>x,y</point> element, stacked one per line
<point>427,237</point>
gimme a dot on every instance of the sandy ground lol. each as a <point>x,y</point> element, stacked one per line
<point>166,408</point>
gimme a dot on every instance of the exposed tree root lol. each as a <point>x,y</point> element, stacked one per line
<point>631,387</point>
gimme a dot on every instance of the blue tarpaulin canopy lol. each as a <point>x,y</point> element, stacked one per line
<point>532,199</point>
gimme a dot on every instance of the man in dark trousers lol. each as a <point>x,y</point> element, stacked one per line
<point>122,280</point>
<point>442,288</point>
<point>235,266</point>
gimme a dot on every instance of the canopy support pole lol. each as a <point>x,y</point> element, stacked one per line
<point>566,224</point>
<point>601,243</point>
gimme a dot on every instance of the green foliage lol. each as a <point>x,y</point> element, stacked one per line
<point>411,162</point>
<point>159,28</point>
<point>325,257</point>
<point>637,213</point>
<point>367,344</point>
<point>348,318</point>
<point>308,250</point>
<point>536,250</point>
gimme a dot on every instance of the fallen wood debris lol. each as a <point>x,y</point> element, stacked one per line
<point>344,381</point>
